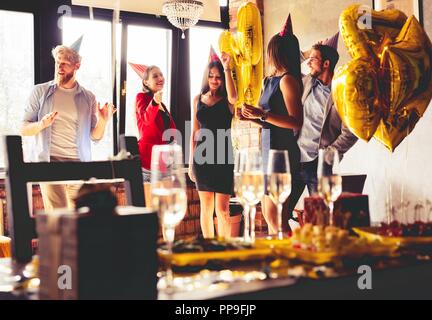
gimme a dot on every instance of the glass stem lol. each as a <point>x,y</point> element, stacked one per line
<point>252,223</point>
<point>279,221</point>
<point>331,217</point>
<point>169,233</point>
<point>246,233</point>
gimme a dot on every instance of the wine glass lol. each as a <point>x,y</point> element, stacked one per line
<point>279,182</point>
<point>168,189</point>
<point>329,178</point>
<point>252,185</point>
<point>239,166</point>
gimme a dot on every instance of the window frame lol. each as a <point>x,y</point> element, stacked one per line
<point>47,35</point>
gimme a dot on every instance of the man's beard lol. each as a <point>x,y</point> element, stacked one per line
<point>63,79</point>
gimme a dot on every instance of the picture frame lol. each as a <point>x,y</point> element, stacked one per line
<point>409,7</point>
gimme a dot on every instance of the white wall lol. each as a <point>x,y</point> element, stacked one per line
<point>407,173</point>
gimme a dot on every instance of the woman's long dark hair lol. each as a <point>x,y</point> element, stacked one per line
<point>205,85</point>
<point>284,54</point>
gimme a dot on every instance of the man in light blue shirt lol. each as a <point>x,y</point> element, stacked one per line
<point>313,120</point>
<point>322,126</point>
<point>64,117</point>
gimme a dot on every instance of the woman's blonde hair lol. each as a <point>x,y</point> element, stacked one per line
<point>71,55</point>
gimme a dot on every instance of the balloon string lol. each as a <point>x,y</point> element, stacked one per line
<point>388,206</point>
<point>403,206</point>
<point>424,202</point>
<point>390,195</point>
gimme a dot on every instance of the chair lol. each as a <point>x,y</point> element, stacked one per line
<point>18,173</point>
<point>353,183</point>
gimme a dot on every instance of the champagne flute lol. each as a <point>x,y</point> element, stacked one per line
<point>279,182</point>
<point>329,178</point>
<point>168,189</point>
<point>239,166</point>
<point>252,188</point>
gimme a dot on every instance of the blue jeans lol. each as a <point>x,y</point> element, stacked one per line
<point>308,175</point>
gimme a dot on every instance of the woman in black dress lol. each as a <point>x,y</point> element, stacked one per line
<point>210,162</point>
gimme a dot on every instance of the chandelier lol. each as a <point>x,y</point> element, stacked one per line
<point>183,14</point>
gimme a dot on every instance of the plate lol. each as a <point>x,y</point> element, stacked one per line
<point>315,257</point>
<point>272,242</point>
<point>353,249</point>
<point>202,258</point>
<point>371,234</point>
<point>198,252</point>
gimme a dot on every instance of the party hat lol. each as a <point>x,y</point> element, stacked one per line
<point>332,42</point>
<point>213,55</point>
<point>287,28</point>
<point>77,44</point>
<point>139,69</point>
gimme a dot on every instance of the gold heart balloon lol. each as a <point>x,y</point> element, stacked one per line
<point>386,88</point>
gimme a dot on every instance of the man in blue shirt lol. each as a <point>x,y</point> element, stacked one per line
<point>64,117</point>
<point>322,126</point>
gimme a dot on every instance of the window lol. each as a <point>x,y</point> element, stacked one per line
<point>95,73</point>
<point>17,74</point>
<point>223,3</point>
<point>201,38</point>
<point>147,46</point>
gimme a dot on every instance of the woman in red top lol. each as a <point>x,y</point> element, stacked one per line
<point>152,115</point>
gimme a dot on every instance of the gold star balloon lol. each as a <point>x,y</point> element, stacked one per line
<point>387,86</point>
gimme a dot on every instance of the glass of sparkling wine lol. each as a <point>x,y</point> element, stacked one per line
<point>252,185</point>
<point>239,166</point>
<point>279,182</point>
<point>329,178</point>
<point>168,189</point>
